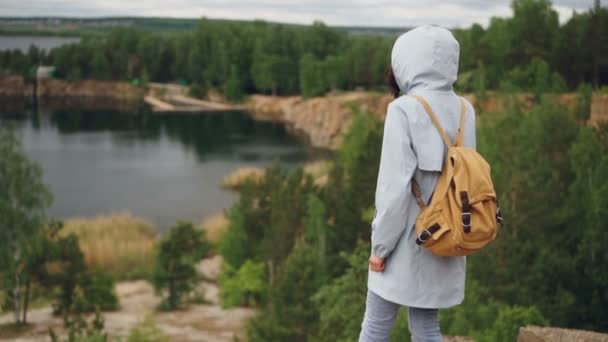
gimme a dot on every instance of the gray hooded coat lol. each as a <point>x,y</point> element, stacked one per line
<point>425,63</point>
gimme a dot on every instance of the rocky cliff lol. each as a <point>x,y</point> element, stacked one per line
<point>323,120</point>
<point>15,91</point>
<point>15,86</point>
<point>89,94</point>
<point>599,109</point>
<point>120,91</point>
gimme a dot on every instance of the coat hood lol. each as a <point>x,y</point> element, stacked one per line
<point>425,58</point>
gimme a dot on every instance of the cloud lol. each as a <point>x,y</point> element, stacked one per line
<point>334,12</point>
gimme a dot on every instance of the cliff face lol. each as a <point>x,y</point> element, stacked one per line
<point>15,86</point>
<point>15,93</point>
<point>323,119</point>
<point>120,91</point>
<point>599,109</point>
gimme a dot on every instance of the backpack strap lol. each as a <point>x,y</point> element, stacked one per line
<point>459,140</point>
<point>418,194</point>
<point>463,113</point>
<point>433,116</point>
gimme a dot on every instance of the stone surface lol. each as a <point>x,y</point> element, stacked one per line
<point>206,321</point>
<point>599,109</point>
<point>90,89</point>
<point>15,86</point>
<point>543,334</point>
<point>323,120</point>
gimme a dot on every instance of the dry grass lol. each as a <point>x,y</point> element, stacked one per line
<point>215,226</point>
<point>317,169</point>
<point>12,331</point>
<point>236,179</point>
<point>119,243</point>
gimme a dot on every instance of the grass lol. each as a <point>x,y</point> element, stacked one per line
<point>120,243</point>
<point>236,179</point>
<point>215,226</point>
<point>317,169</point>
<point>147,331</point>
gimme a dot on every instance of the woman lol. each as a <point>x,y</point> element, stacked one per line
<point>424,62</point>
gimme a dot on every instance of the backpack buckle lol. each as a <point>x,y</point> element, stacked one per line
<point>466,221</point>
<point>499,218</point>
<point>428,235</point>
<point>423,237</point>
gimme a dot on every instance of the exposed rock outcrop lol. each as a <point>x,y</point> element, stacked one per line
<point>15,86</point>
<point>599,109</point>
<point>322,119</point>
<point>119,91</point>
<point>15,93</point>
<point>542,334</point>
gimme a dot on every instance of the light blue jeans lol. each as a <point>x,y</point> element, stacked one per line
<point>380,315</point>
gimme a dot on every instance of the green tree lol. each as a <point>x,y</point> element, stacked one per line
<point>175,271</point>
<point>312,80</point>
<point>23,200</point>
<point>243,287</point>
<point>233,246</point>
<point>534,155</point>
<point>233,89</point>
<point>69,277</point>
<point>291,315</point>
<point>586,200</point>
<point>534,27</point>
<point>583,103</point>
<point>316,231</point>
<point>100,64</point>
<point>341,303</point>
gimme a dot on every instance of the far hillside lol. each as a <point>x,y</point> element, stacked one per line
<point>67,26</point>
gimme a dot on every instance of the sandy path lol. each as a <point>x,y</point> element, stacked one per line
<point>198,322</point>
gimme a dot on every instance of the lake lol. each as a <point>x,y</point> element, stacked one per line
<point>161,167</point>
<point>23,42</point>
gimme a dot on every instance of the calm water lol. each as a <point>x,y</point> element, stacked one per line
<point>163,168</point>
<point>23,42</point>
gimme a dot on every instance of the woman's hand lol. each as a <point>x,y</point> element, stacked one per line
<point>376,264</point>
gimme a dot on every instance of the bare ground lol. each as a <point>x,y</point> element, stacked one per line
<point>198,322</point>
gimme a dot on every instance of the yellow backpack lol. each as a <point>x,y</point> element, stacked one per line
<point>463,215</point>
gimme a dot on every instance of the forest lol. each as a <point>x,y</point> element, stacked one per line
<point>529,51</point>
<point>299,251</point>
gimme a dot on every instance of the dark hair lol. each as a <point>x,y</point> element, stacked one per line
<point>391,82</point>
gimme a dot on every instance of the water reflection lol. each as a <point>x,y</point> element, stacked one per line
<point>162,167</point>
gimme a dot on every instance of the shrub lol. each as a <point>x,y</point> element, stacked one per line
<point>341,303</point>
<point>509,320</point>
<point>98,293</point>
<point>146,331</point>
<point>245,286</point>
<point>583,102</point>
<point>79,330</point>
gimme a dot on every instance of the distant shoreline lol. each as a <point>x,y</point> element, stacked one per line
<point>77,27</point>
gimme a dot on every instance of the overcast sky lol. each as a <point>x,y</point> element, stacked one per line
<point>450,13</point>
